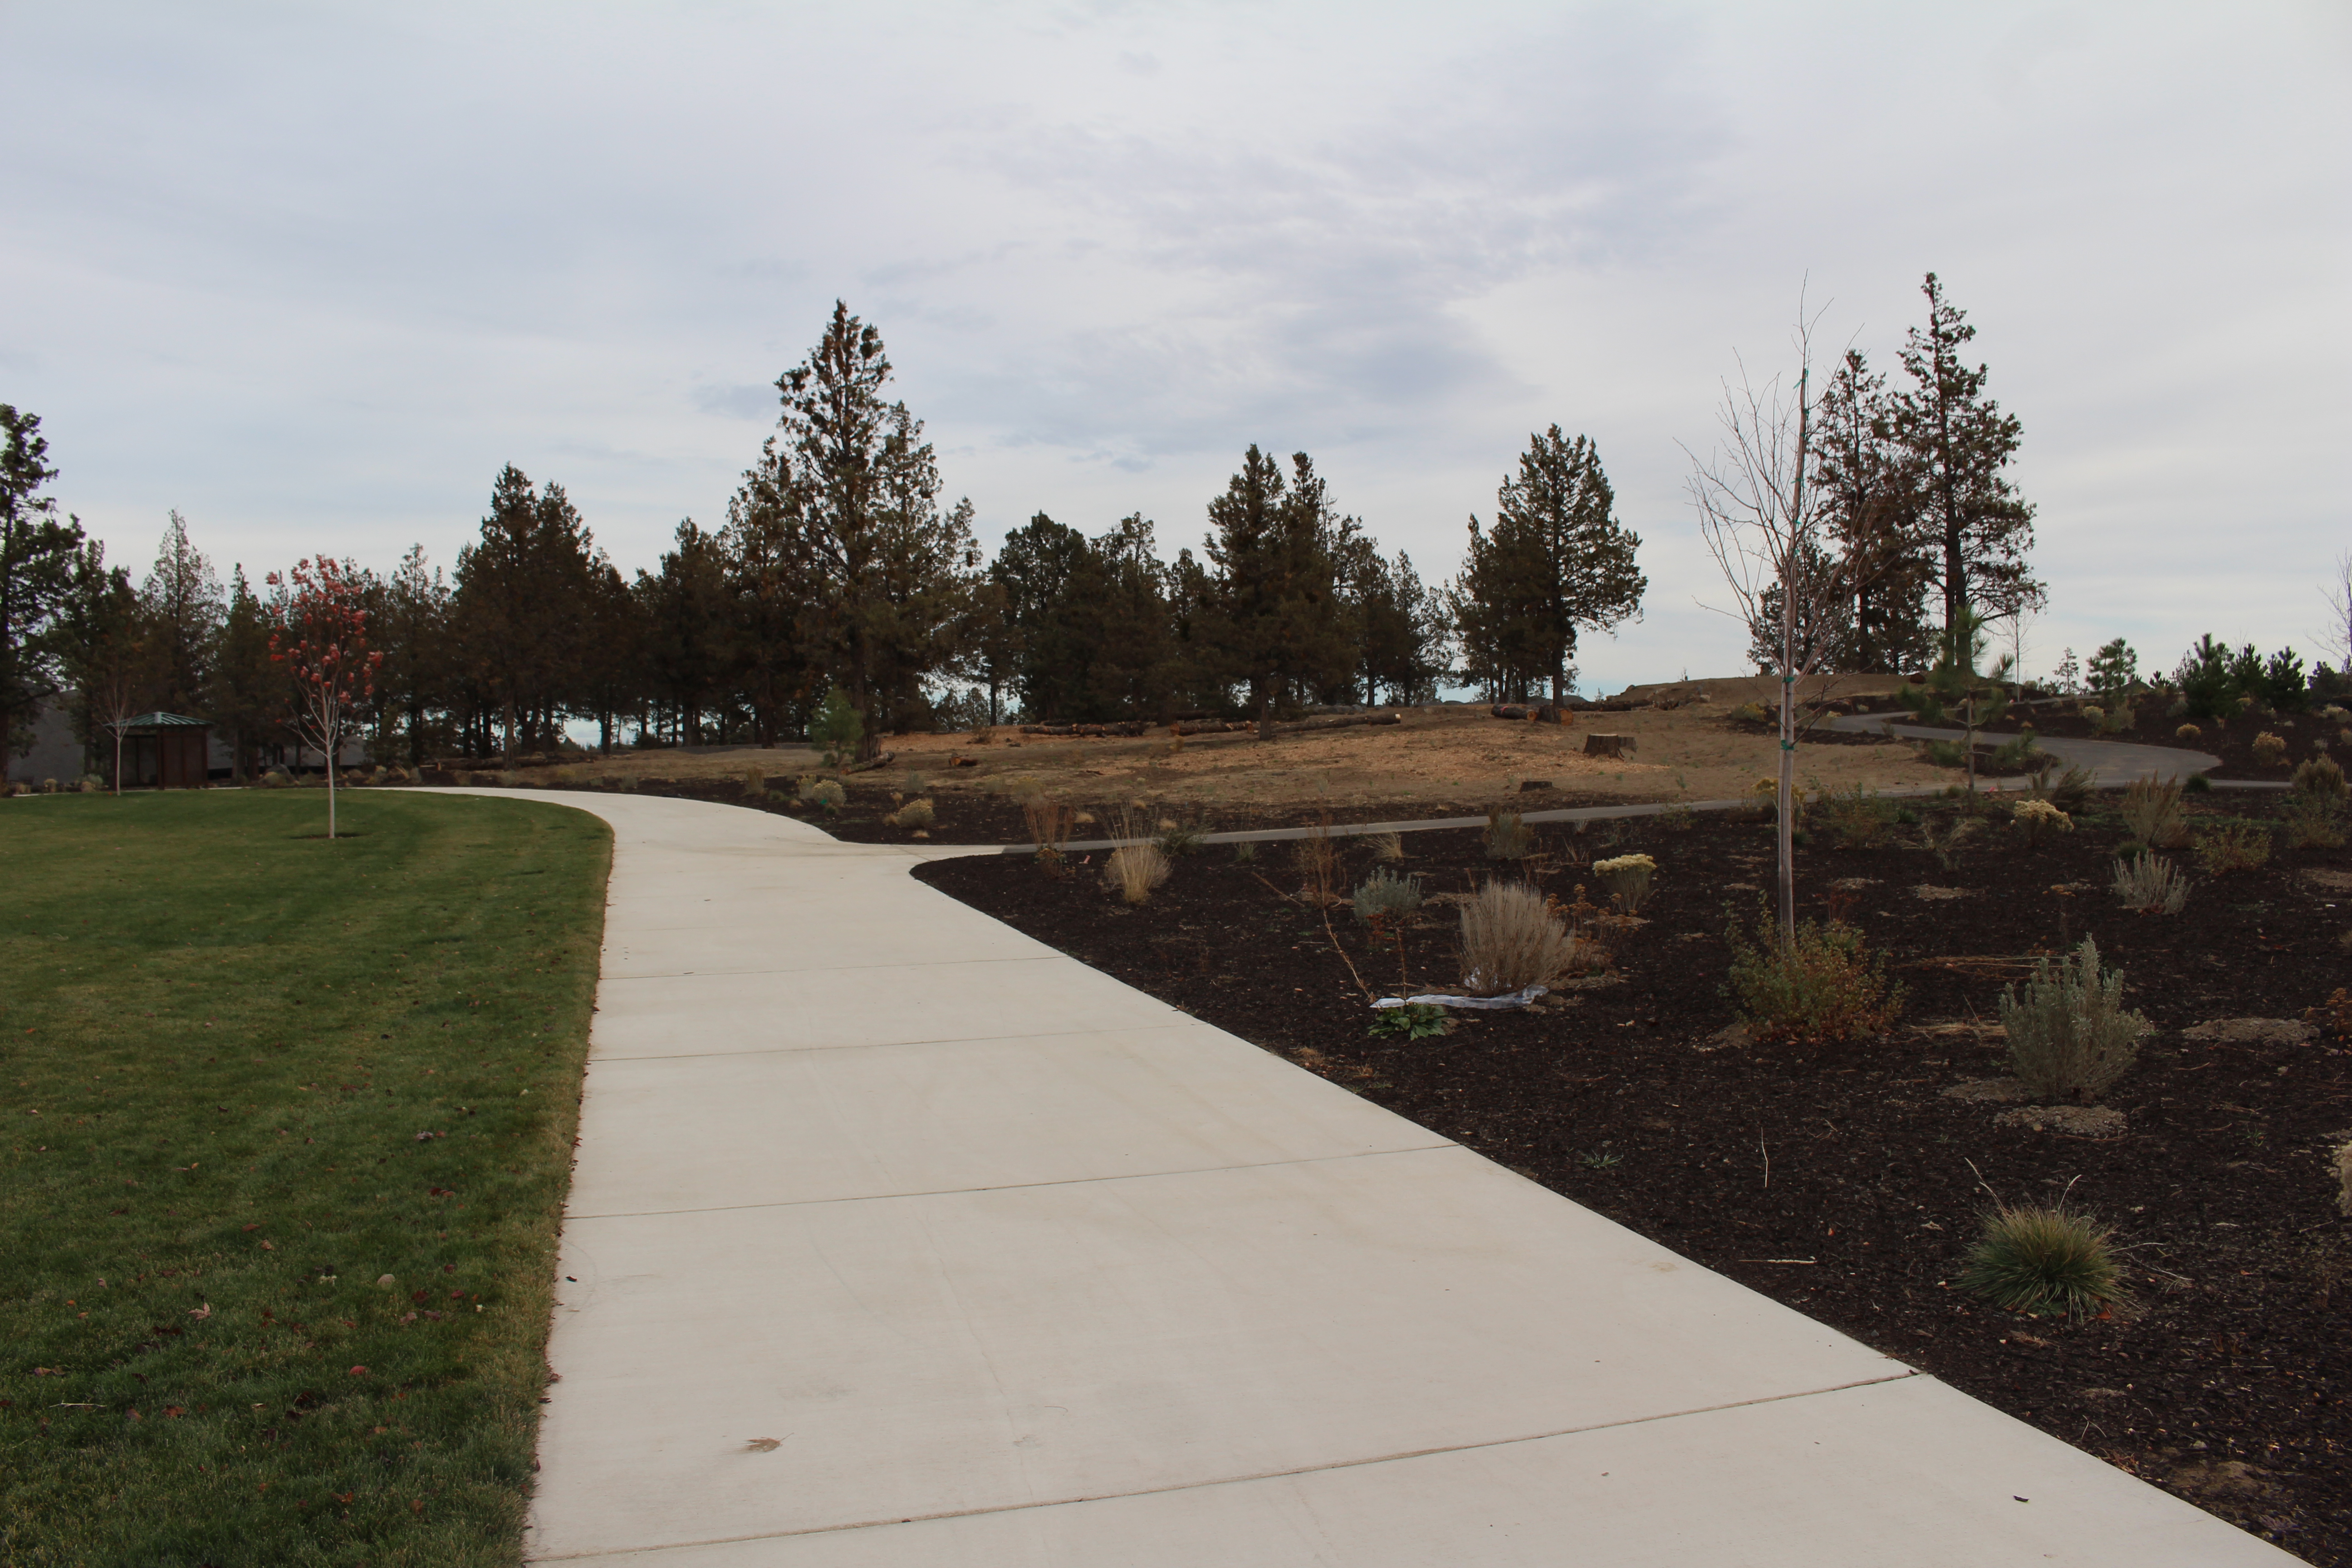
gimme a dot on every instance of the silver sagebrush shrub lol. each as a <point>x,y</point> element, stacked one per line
<point>2070,1035</point>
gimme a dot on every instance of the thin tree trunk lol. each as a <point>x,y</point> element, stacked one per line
<point>1788,827</point>
<point>1265,711</point>
<point>330,737</point>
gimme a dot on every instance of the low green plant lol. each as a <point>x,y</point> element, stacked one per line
<point>1246,851</point>
<point>1412,1021</point>
<point>1507,837</point>
<point>1627,879</point>
<point>2044,1260</point>
<point>1384,895</point>
<point>1601,1159</point>
<point>2151,885</point>
<point>1860,819</point>
<point>1944,844</point>
<point>2015,755</point>
<point>2198,785</point>
<point>1820,988</point>
<point>836,728</point>
<point>2239,844</point>
<point>2068,788</point>
<point>2313,821</point>
<point>1179,839</point>
<point>2070,1035</point>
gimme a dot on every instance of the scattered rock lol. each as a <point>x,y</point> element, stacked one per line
<point>2223,1479</point>
<point>1990,1090</point>
<point>2103,1394</point>
<point>1934,894</point>
<point>2250,1032</point>
<point>2322,876</point>
<point>1854,884</point>
<point>1731,1036</point>
<point>1534,786</point>
<point>2082,1120</point>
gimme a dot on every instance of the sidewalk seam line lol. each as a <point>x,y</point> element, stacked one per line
<point>1178,1021</point>
<point>1905,1375</point>
<point>1023,1187</point>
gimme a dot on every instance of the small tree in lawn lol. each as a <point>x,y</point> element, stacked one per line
<point>319,635</point>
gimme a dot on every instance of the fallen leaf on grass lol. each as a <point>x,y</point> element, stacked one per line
<point>200,1314</point>
<point>764,1445</point>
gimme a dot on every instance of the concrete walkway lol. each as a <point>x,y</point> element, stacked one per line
<point>898,1238</point>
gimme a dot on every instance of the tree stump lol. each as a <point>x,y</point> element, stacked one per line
<point>1609,745</point>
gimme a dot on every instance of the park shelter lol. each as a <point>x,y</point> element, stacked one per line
<point>161,750</point>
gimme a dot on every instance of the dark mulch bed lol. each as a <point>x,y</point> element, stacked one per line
<point>2229,1384</point>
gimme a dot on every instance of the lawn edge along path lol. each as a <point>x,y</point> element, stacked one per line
<point>250,1074</point>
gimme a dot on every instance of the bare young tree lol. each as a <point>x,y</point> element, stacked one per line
<point>2337,639</point>
<point>1768,534</point>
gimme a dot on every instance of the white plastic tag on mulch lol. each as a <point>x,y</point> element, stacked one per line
<point>1516,999</point>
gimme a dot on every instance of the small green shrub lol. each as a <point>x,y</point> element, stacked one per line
<point>2151,885</point>
<point>1179,839</point>
<point>2313,821</point>
<point>2069,788</point>
<point>1821,988</point>
<point>2070,1035</point>
<point>2013,755</point>
<point>1860,819</point>
<point>2321,776</point>
<point>1384,894</point>
<point>1246,851</point>
<point>836,728</point>
<point>2038,1260</point>
<point>2238,844</point>
<point>2199,785</point>
<point>1753,713</point>
<point>1507,837</point>
<point>1627,879</point>
<point>1412,1021</point>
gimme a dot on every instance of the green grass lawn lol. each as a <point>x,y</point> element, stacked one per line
<point>286,1128</point>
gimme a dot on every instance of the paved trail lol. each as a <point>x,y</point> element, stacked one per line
<point>897,1238</point>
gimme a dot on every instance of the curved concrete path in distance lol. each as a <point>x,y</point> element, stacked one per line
<point>897,1238</point>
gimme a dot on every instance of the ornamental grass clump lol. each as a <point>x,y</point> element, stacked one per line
<point>1507,837</point>
<point>1385,896</point>
<point>2043,1260</point>
<point>1512,938</point>
<point>2151,809</point>
<point>1627,879</point>
<point>2151,885</point>
<point>1821,988</point>
<point>2070,1036</point>
<point>1133,870</point>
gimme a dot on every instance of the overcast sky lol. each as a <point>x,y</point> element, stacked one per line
<point>312,273</point>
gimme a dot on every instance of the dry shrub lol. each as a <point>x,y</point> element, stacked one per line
<point>917,812</point>
<point>1512,938</point>
<point>2188,732</point>
<point>755,781</point>
<point>2151,810</point>
<point>1627,879</point>
<point>1133,870</point>
<point>1821,988</point>
<point>1317,856</point>
<point>2236,846</point>
<point>2070,1036</point>
<point>2312,821</point>
<point>2270,750</point>
<point>2320,777</point>
<point>1048,820</point>
<point>2149,885</point>
<point>2344,1179</point>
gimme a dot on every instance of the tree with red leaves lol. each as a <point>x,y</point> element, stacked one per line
<point>319,632</point>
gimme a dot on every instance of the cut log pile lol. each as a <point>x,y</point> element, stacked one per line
<point>1597,745</point>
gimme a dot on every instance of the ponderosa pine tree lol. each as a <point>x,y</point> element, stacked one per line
<point>409,616</point>
<point>1558,562</point>
<point>1868,485</point>
<point>247,690</point>
<point>37,559</point>
<point>890,575</point>
<point>1272,611</point>
<point>521,604</point>
<point>1960,445</point>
